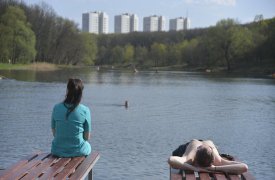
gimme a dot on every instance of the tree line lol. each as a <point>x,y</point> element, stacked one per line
<point>228,45</point>
<point>36,33</point>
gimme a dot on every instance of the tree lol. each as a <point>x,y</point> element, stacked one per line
<point>89,49</point>
<point>158,53</point>
<point>141,55</point>
<point>174,54</point>
<point>117,55</point>
<point>43,20</point>
<point>230,41</point>
<point>128,54</point>
<point>188,51</point>
<point>17,40</point>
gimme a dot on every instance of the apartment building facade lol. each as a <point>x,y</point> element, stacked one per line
<point>153,23</point>
<point>126,23</point>
<point>187,23</point>
<point>95,22</point>
<point>179,23</point>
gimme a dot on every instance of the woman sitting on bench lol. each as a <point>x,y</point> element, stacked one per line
<point>71,124</point>
<point>203,156</point>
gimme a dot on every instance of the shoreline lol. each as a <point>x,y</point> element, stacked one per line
<point>248,71</point>
<point>32,66</point>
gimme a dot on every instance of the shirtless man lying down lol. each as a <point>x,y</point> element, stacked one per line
<point>203,156</point>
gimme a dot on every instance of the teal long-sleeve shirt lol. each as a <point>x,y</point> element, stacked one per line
<point>69,132</point>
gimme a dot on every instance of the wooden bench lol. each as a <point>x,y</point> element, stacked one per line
<point>176,174</point>
<point>46,166</point>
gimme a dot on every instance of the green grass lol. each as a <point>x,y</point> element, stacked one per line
<point>4,66</point>
<point>33,66</point>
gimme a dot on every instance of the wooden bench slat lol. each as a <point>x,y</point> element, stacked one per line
<point>85,167</point>
<point>204,176</point>
<point>45,166</point>
<point>20,172</point>
<point>17,165</point>
<point>234,177</point>
<point>57,167</point>
<point>190,176</point>
<point>176,176</point>
<point>36,171</point>
<point>69,168</point>
<point>219,176</point>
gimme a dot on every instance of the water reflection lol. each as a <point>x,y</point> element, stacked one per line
<point>119,77</point>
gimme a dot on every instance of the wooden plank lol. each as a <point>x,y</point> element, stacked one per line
<point>219,176</point>
<point>176,176</point>
<point>204,176</point>
<point>234,177</point>
<point>18,165</point>
<point>86,166</point>
<point>55,168</point>
<point>196,174</point>
<point>69,168</point>
<point>37,170</point>
<point>20,172</point>
<point>189,176</point>
<point>45,166</point>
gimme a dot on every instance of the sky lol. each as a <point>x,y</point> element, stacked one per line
<point>202,13</point>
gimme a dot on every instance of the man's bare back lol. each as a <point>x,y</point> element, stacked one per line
<point>188,160</point>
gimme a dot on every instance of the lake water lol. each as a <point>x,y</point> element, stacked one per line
<point>165,110</point>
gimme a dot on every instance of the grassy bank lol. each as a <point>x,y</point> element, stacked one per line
<point>33,66</point>
<point>255,70</point>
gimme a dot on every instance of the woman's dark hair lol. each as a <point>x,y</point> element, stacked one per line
<point>204,157</point>
<point>74,94</point>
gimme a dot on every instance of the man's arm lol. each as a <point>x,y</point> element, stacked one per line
<point>224,165</point>
<point>233,167</point>
<point>180,163</point>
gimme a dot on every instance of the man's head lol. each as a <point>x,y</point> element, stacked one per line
<point>204,156</point>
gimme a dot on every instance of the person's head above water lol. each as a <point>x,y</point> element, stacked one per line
<point>204,156</point>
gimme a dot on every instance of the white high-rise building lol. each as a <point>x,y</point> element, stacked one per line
<point>103,23</point>
<point>153,23</point>
<point>133,23</point>
<point>161,25</point>
<point>95,22</point>
<point>176,24</point>
<point>122,23</point>
<point>187,23</point>
<point>126,23</point>
<point>179,23</point>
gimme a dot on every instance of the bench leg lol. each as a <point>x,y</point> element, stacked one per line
<point>90,175</point>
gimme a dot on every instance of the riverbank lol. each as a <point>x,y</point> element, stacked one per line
<point>262,71</point>
<point>251,71</point>
<point>33,66</point>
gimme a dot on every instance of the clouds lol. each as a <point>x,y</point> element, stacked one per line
<point>217,2</point>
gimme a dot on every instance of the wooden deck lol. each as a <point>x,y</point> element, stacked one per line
<point>46,166</point>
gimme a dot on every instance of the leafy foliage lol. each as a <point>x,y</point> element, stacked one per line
<point>29,33</point>
<point>17,40</point>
